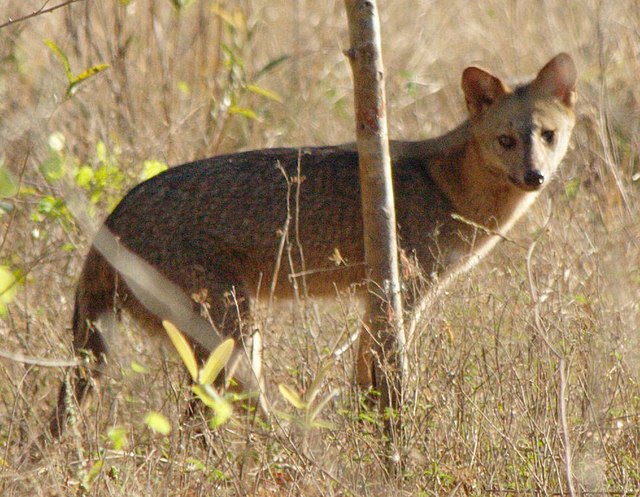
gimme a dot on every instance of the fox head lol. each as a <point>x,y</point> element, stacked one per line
<point>523,134</point>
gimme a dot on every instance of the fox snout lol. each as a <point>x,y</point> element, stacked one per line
<point>533,178</point>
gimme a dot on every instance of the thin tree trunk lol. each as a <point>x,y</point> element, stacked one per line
<point>381,354</point>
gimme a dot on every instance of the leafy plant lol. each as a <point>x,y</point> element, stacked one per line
<point>306,403</point>
<point>74,81</point>
<point>204,377</point>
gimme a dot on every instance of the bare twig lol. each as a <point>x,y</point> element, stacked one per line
<point>42,10</point>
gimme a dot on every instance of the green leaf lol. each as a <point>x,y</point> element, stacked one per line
<point>84,176</point>
<point>152,168</point>
<point>222,413</point>
<point>92,474</point>
<point>51,206</point>
<point>292,396</point>
<point>118,436</point>
<point>206,395</point>
<point>184,88</point>
<point>183,347</point>
<point>92,71</point>
<point>221,407</point>
<point>263,92</point>
<point>581,299</point>
<point>194,464</point>
<point>181,4</point>
<point>8,288</point>
<point>53,168</point>
<point>62,57</point>
<point>158,423</point>
<point>136,367</point>
<point>571,188</point>
<point>270,66</point>
<point>216,362</point>
<point>101,152</point>
<point>8,185</point>
<point>243,111</point>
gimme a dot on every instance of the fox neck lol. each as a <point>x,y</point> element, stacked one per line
<point>479,193</point>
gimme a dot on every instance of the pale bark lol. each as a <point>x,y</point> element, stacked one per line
<point>381,354</point>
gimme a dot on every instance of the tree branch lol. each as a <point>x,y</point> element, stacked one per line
<point>35,13</point>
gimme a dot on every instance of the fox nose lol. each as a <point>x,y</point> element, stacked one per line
<point>533,177</point>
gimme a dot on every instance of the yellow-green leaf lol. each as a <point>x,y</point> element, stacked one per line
<point>206,395</point>
<point>292,396</point>
<point>263,92</point>
<point>220,406</point>
<point>222,413</point>
<point>61,57</point>
<point>184,88</point>
<point>92,474</point>
<point>118,436</point>
<point>136,367</point>
<point>84,175</point>
<point>151,168</point>
<point>53,168</point>
<point>8,288</point>
<point>183,347</point>
<point>216,362</point>
<point>158,423</point>
<point>243,111</point>
<point>93,70</point>
<point>8,185</point>
<point>76,80</point>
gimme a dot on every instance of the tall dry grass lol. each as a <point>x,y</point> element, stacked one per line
<point>484,412</point>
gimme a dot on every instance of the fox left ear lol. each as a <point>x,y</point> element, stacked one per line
<point>559,78</point>
<point>481,89</point>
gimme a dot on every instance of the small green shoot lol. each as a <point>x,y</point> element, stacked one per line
<point>8,185</point>
<point>310,411</point>
<point>118,437</point>
<point>73,81</point>
<point>203,377</point>
<point>158,422</point>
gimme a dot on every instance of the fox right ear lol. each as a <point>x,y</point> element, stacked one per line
<point>481,89</point>
<point>558,77</point>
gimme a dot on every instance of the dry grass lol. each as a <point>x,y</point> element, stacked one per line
<point>484,419</point>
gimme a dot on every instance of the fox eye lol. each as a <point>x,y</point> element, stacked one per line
<point>548,135</point>
<point>506,141</point>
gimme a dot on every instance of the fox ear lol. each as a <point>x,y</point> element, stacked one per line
<point>559,78</point>
<point>481,89</point>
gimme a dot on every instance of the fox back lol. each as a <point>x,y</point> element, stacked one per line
<point>219,225</point>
